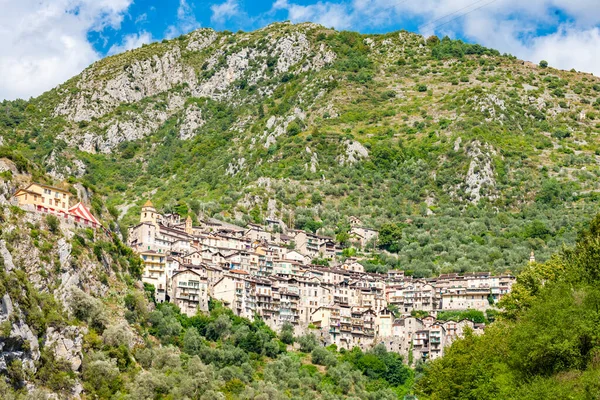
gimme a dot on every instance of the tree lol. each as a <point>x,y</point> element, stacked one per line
<point>343,238</point>
<point>322,356</point>
<point>219,328</point>
<point>544,64</point>
<point>192,341</point>
<point>433,41</point>
<point>53,223</point>
<point>389,237</point>
<point>287,333</point>
<point>307,342</point>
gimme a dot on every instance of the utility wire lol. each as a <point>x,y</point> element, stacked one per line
<point>452,13</point>
<point>464,14</point>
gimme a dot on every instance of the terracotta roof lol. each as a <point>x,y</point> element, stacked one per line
<point>148,204</point>
<point>238,271</point>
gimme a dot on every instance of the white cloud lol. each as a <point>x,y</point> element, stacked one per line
<point>336,15</point>
<point>131,41</point>
<point>569,48</point>
<point>186,21</point>
<point>224,11</point>
<point>142,18</point>
<point>44,43</point>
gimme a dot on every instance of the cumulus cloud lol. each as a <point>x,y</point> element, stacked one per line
<point>131,41</point>
<point>186,21</point>
<point>569,48</point>
<point>224,11</point>
<point>45,42</point>
<point>331,15</point>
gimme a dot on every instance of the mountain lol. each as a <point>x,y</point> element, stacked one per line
<point>479,158</point>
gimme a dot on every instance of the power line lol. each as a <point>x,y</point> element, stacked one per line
<point>464,14</point>
<point>452,13</point>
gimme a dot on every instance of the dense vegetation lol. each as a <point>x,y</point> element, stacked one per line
<point>545,346</point>
<point>438,119</point>
<point>214,356</point>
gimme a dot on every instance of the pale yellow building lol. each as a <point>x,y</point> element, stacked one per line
<point>43,197</point>
<point>155,272</point>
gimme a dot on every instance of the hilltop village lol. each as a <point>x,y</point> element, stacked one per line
<point>266,271</point>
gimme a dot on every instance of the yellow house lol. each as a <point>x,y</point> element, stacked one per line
<point>155,272</point>
<point>44,196</point>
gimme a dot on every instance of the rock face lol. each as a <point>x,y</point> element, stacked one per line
<point>20,343</point>
<point>67,344</point>
<point>480,181</point>
<point>191,122</point>
<point>142,78</point>
<point>206,64</point>
<point>354,152</point>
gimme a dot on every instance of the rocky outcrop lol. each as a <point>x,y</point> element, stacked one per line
<point>140,79</point>
<point>354,152</point>
<point>231,63</point>
<point>20,343</point>
<point>277,126</point>
<point>67,343</point>
<point>192,120</point>
<point>480,181</point>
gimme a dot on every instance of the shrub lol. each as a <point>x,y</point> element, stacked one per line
<point>53,223</point>
<point>287,333</point>
<point>117,335</point>
<point>544,64</point>
<point>307,342</point>
<point>322,356</point>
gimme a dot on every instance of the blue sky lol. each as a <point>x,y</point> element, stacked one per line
<point>45,42</point>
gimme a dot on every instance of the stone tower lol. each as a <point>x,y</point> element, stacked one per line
<point>188,226</point>
<point>149,213</point>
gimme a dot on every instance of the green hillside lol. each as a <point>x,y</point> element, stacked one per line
<point>478,157</point>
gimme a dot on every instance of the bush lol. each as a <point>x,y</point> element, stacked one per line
<point>322,356</point>
<point>307,342</point>
<point>53,223</point>
<point>88,309</point>
<point>287,333</point>
<point>117,335</point>
<point>102,377</point>
<point>544,64</point>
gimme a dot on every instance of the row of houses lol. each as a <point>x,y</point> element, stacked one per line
<point>259,271</point>
<point>266,271</point>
